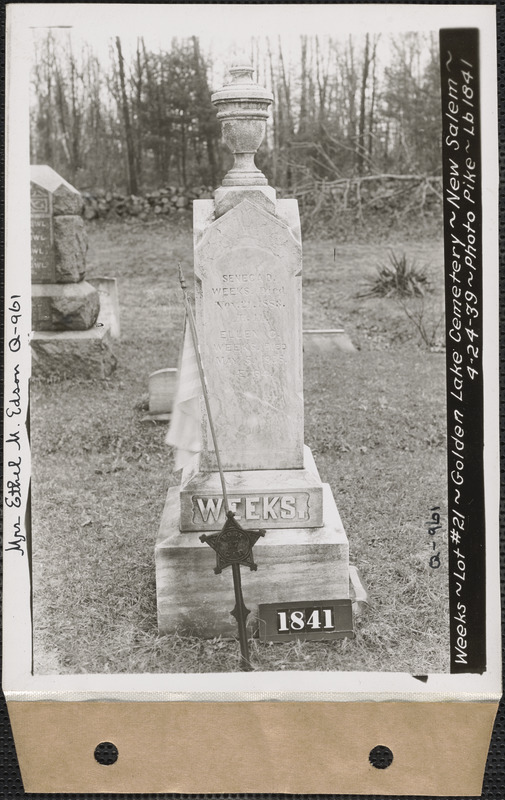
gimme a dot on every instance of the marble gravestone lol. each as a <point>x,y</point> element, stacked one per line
<point>248,273</point>
<point>68,339</point>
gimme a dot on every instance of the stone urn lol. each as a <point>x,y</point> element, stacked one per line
<point>243,111</point>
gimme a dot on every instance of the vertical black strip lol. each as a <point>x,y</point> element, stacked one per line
<point>461,157</point>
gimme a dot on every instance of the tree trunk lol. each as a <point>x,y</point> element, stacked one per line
<point>360,155</point>
<point>275,117</point>
<point>302,123</point>
<point>138,103</point>
<point>130,150</point>
<point>350,82</point>
<point>205,131</point>
<point>49,148</point>
<point>75,126</point>
<point>286,127</point>
<point>371,113</point>
<point>183,152</point>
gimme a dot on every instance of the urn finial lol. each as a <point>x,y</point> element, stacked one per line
<point>243,111</point>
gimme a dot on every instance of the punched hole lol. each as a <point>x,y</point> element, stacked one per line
<point>106,753</point>
<point>380,757</point>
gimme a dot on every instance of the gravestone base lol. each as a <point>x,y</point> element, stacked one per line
<point>293,564</point>
<point>73,354</point>
<point>64,306</point>
<point>358,592</point>
<point>260,498</point>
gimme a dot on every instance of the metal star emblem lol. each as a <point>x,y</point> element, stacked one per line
<point>233,544</point>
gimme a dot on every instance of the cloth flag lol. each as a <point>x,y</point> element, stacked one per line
<point>184,432</point>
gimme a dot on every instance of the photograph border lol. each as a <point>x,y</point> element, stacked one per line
<point>21,687</point>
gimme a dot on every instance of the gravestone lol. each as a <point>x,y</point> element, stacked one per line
<point>162,388</point>
<point>58,238</point>
<point>326,341</point>
<point>69,338</point>
<point>248,272</point>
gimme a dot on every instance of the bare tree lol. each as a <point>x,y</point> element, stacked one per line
<point>360,149</point>
<point>342,129</point>
<point>130,149</point>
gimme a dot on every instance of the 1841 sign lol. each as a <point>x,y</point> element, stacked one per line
<point>311,619</point>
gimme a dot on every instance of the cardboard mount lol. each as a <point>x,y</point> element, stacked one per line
<point>293,732</point>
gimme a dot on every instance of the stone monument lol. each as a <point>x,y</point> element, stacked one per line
<point>68,338</point>
<point>248,281</point>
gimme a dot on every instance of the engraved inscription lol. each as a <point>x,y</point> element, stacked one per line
<point>248,297</point>
<point>42,253</point>
<point>247,291</point>
<point>250,354</point>
<point>254,341</point>
<point>40,200</point>
<point>259,507</point>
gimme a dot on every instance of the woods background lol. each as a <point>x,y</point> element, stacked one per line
<point>354,135</point>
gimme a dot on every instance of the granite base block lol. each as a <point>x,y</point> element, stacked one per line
<point>293,564</point>
<point>73,354</point>
<point>64,306</point>
<point>261,498</point>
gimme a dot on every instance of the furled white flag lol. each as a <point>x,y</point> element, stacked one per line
<point>184,432</point>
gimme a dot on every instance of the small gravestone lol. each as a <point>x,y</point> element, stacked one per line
<point>69,338</point>
<point>162,387</point>
<point>326,340</point>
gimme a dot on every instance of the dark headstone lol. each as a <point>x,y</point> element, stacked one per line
<point>42,235</point>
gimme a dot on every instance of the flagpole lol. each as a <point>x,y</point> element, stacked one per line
<point>194,336</point>
<point>240,611</point>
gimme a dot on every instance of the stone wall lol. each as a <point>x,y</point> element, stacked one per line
<point>169,200</point>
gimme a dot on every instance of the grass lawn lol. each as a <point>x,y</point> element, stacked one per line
<point>375,421</point>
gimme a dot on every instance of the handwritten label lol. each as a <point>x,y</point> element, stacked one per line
<point>17,538</point>
<point>13,412</point>
<point>433,527</point>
